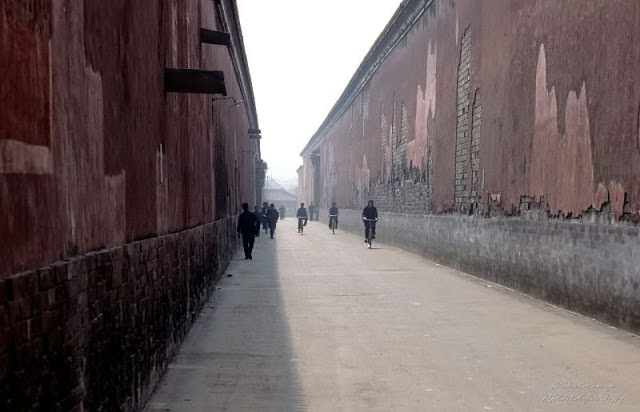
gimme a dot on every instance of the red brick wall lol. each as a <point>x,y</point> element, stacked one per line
<point>117,200</point>
<point>95,332</point>
<point>549,91</point>
<point>85,115</point>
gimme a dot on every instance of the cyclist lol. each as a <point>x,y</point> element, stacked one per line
<point>333,214</point>
<point>369,217</point>
<point>301,214</point>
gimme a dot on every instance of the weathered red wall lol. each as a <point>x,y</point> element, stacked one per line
<point>84,114</point>
<point>117,200</point>
<point>552,102</point>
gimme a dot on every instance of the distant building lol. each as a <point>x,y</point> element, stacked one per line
<point>275,193</point>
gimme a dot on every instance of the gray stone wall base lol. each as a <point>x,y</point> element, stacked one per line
<point>587,268</point>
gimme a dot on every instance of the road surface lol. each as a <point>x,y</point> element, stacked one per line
<point>317,322</point>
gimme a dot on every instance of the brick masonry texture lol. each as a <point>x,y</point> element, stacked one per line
<point>96,331</point>
<point>462,128</point>
<point>476,122</point>
<point>584,267</point>
<point>130,190</point>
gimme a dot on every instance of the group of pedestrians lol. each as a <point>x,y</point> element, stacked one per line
<point>249,222</point>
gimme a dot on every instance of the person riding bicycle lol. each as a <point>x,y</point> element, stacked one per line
<point>302,214</point>
<point>369,217</point>
<point>333,214</point>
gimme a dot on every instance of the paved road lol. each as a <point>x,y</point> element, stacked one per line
<point>320,323</point>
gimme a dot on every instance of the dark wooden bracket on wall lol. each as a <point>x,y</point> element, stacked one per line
<point>254,133</point>
<point>194,81</point>
<point>215,37</point>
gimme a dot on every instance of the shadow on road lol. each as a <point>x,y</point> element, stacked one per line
<point>238,355</point>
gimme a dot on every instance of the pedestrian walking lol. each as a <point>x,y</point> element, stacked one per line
<point>282,210</point>
<point>263,218</point>
<point>258,213</point>
<point>272,218</point>
<point>312,211</point>
<point>247,223</point>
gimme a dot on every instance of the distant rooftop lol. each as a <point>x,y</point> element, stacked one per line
<point>271,183</point>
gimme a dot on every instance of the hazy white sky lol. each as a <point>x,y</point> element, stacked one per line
<point>302,54</point>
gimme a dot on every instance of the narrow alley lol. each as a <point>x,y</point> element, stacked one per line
<point>318,322</point>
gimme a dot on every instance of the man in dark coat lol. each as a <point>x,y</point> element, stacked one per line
<point>247,223</point>
<point>258,213</point>
<point>272,218</point>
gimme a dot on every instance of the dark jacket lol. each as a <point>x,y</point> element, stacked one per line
<point>370,212</point>
<point>247,222</point>
<point>302,212</point>
<point>333,211</point>
<point>272,216</point>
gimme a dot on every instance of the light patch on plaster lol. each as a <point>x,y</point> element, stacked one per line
<point>174,34</point>
<point>17,157</point>
<point>307,183</point>
<point>363,178</point>
<point>162,191</point>
<point>457,28</point>
<point>612,193</point>
<point>388,141</point>
<point>98,199</point>
<point>331,175</point>
<point>425,112</point>
<point>561,165</point>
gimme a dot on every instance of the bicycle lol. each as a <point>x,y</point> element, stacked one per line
<point>301,224</point>
<point>332,223</point>
<point>369,230</point>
